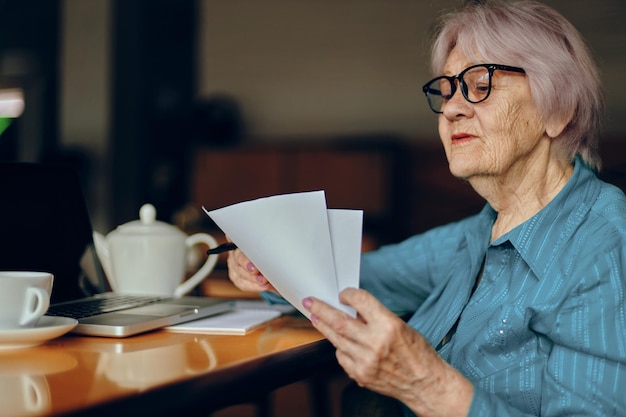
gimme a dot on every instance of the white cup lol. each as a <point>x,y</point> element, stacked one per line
<point>24,298</point>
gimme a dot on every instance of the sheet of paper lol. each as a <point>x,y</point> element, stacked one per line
<point>346,237</point>
<point>298,244</point>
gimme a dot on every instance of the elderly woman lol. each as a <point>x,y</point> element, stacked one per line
<point>520,309</point>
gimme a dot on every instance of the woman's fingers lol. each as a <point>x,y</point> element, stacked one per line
<point>244,274</point>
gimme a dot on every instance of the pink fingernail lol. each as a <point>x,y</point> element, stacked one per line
<point>307,302</point>
<point>250,266</point>
<point>260,279</point>
<point>314,318</point>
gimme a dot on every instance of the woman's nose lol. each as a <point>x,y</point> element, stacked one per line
<point>456,105</point>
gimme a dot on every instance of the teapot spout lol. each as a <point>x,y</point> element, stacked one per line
<point>102,250</point>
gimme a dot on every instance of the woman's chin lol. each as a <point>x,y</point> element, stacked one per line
<point>461,170</point>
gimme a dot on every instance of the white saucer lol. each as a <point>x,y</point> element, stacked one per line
<point>46,329</point>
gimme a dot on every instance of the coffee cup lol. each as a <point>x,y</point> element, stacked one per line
<point>24,298</point>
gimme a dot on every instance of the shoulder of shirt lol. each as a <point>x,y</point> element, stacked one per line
<point>609,210</point>
<point>611,203</point>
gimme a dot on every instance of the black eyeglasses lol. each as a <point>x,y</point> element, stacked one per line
<point>475,83</point>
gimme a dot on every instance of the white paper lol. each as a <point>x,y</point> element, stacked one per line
<point>346,237</point>
<point>298,244</point>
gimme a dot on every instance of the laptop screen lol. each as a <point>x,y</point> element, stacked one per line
<point>45,226</point>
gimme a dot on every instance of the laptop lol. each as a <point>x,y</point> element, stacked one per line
<point>45,226</point>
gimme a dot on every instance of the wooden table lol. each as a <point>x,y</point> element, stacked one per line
<point>159,373</point>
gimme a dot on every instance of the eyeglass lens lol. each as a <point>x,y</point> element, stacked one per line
<point>475,84</point>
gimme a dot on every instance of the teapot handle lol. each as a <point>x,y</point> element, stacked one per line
<point>204,270</point>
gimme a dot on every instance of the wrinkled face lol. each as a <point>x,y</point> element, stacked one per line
<point>497,137</point>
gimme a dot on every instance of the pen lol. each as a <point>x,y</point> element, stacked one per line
<point>221,248</point>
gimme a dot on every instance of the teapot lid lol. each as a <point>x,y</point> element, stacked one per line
<point>147,224</point>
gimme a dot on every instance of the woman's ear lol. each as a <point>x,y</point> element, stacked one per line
<point>556,124</point>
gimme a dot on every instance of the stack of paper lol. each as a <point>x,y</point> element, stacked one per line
<point>245,316</point>
<point>300,246</point>
<point>232,322</point>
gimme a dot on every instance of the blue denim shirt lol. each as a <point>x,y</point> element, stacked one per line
<point>544,332</point>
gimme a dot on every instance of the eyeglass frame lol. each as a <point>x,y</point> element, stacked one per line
<point>491,68</point>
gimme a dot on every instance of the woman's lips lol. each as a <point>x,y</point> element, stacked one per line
<point>461,137</point>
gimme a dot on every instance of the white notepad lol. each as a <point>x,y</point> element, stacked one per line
<point>233,322</point>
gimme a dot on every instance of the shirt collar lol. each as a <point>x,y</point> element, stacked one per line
<point>559,218</point>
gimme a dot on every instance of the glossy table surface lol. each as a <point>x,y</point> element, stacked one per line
<point>158,373</point>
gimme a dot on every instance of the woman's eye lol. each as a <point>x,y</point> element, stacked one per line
<point>482,87</point>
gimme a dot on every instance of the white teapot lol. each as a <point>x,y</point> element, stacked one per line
<point>147,256</point>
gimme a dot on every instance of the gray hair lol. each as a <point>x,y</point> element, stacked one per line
<point>563,76</point>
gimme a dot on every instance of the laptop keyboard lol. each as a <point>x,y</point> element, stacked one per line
<point>102,303</point>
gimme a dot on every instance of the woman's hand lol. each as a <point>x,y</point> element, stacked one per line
<point>382,353</point>
<point>244,274</point>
